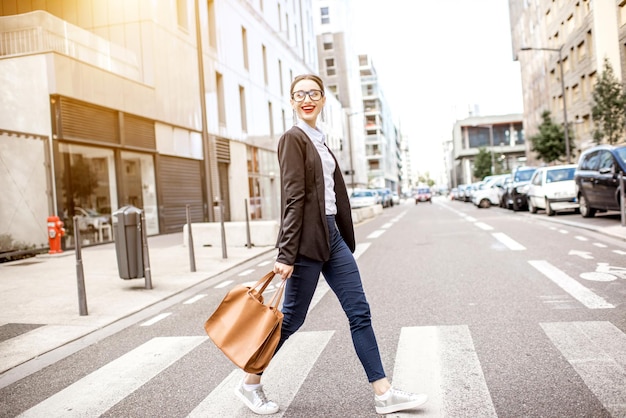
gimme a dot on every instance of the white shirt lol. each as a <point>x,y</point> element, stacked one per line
<point>328,165</point>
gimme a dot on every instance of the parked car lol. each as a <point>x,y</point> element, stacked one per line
<point>90,219</point>
<point>363,198</point>
<point>598,178</point>
<point>553,189</point>
<point>385,197</point>
<point>395,198</point>
<point>490,191</point>
<point>423,194</point>
<point>515,194</point>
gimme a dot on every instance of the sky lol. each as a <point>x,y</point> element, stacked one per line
<point>435,60</point>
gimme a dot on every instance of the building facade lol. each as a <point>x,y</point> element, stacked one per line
<point>160,105</point>
<point>502,136</point>
<point>572,36</point>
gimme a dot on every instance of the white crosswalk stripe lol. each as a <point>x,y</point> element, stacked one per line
<point>441,362</point>
<point>597,351</point>
<point>282,379</point>
<point>94,394</point>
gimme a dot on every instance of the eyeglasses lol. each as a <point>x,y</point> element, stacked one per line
<point>300,95</point>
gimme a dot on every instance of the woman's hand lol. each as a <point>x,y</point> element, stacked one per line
<point>283,270</point>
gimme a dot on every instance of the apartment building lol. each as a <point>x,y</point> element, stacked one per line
<point>156,104</point>
<point>501,135</point>
<point>572,36</point>
<point>382,138</point>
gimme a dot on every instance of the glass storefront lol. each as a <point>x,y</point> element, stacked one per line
<point>88,190</point>
<point>262,184</point>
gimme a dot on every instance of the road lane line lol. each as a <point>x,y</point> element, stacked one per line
<point>246,272</point>
<point>620,252</point>
<point>282,379</point>
<point>600,245</point>
<point>442,362</point>
<point>571,286</point>
<point>193,299</point>
<point>509,242</point>
<point>376,234</point>
<point>156,319</point>
<point>484,226</point>
<point>597,351</point>
<point>97,392</point>
<point>581,238</point>
<point>265,263</point>
<point>223,284</point>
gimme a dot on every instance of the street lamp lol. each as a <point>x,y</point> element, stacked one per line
<point>565,124</point>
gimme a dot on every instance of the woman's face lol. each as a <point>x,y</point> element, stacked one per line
<point>308,109</point>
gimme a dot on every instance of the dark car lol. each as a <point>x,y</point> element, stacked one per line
<point>598,178</point>
<point>514,196</point>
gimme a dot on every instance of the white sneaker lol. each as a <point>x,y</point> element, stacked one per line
<point>256,400</point>
<point>399,400</point>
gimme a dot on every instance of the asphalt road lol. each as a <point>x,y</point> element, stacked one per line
<point>484,310</point>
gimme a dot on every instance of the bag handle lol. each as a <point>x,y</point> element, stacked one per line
<point>265,281</point>
<point>278,295</point>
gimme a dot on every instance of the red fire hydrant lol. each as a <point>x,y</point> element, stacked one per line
<point>55,232</point>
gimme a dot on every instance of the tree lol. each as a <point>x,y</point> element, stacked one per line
<point>549,142</point>
<point>609,107</point>
<point>482,164</point>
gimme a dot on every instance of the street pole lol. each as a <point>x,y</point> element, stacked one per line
<point>565,124</point>
<point>493,163</point>
<point>349,117</point>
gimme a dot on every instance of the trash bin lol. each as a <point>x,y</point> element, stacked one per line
<point>128,242</point>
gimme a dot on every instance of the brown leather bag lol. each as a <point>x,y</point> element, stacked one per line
<point>244,328</point>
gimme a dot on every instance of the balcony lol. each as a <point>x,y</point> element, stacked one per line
<point>40,32</point>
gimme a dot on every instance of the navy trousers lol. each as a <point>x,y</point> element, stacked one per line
<point>342,275</point>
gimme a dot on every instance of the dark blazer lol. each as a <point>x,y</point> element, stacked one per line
<point>303,227</point>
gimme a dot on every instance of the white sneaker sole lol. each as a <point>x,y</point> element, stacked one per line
<point>421,400</point>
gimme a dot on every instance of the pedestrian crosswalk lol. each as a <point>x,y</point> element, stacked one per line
<point>438,360</point>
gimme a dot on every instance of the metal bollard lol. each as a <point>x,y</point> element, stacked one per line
<point>249,241</point>
<point>145,255</point>
<point>192,260</point>
<point>80,276</point>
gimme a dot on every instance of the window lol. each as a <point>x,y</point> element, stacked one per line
<point>242,109</point>
<point>244,44</point>
<point>221,109</point>
<point>328,46</point>
<point>271,118</point>
<point>264,52</point>
<point>181,14</point>
<point>325,16</point>
<point>212,25</point>
<point>280,19</point>
<point>330,66</point>
<point>280,77</point>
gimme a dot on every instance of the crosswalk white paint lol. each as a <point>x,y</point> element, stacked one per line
<point>442,362</point>
<point>193,299</point>
<point>281,380</point>
<point>571,286</point>
<point>223,284</point>
<point>484,226</point>
<point>509,242</point>
<point>597,351</point>
<point>94,394</point>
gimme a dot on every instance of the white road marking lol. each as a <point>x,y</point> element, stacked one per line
<point>597,351</point>
<point>360,249</point>
<point>483,226</point>
<point>265,263</point>
<point>582,254</point>
<point>620,252</point>
<point>581,238</point>
<point>470,219</point>
<point>387,225</point>
<point>563,231</point>
<point>571,286</point>
<point>223,284</point>
<point>97,392</point>
<point>442,362</point>
<point>246,272</point>
<point>509,242</point>
<point>599,245</point>
<point>376,234</point>
<point>282,379</point>
<point>193,299</point>
<point>156,319</point>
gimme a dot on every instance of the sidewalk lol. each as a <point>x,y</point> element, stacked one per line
<point>39,296</point>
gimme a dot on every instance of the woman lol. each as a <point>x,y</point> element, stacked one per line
<point>317,236</point>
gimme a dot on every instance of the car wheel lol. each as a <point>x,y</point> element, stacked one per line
<point>585,210</point>
<point>485,203</point>
<point>549,210</point>
<point>531,208</point>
